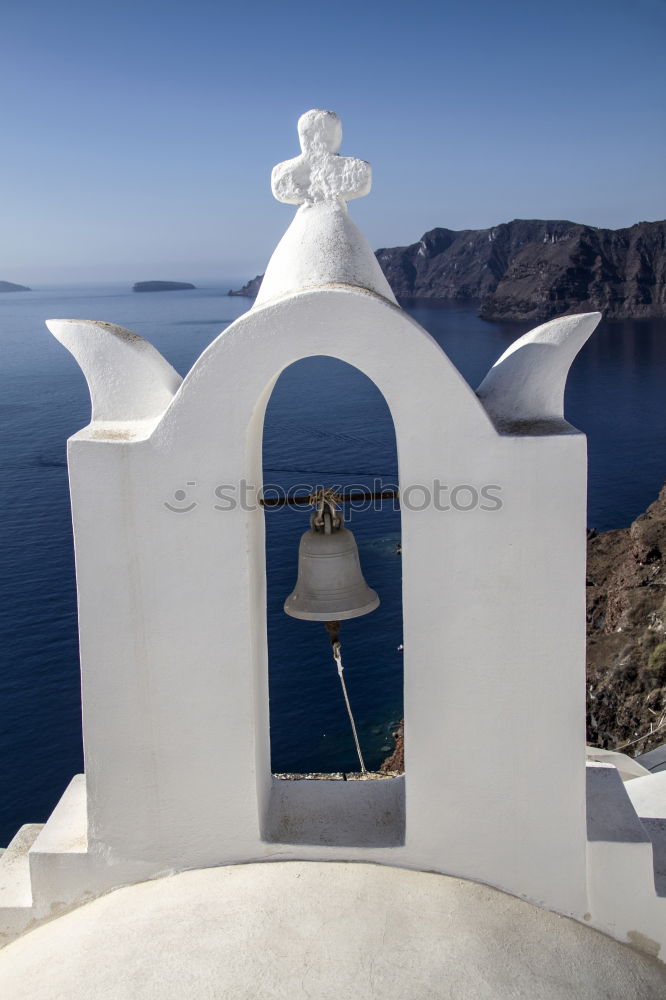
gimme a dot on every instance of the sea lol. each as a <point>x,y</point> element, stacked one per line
<point>615,394</point>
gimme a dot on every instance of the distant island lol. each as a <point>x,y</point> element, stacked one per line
<point>161,286</point>
<point>533,269</point>
<point>9,286</point>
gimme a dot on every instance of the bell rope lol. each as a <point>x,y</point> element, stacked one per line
<point>337,656</point>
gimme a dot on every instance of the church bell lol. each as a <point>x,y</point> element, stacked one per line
<point>330,585</point>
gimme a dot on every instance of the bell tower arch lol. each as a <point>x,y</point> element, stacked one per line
<point>172,605</point>
<point>327,426</point>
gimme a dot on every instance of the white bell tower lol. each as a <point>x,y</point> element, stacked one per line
<point>172,610</point>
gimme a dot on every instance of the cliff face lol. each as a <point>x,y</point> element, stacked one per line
<point>533,269</point>
<point>9,286</point>
<point>469,264</point>
<point>250,290</point>
<point>626,633</point>
<point>626,638</point>
<point>620,272</point>
<point>536,270</point>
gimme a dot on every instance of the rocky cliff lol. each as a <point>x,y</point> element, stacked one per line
<point>533,269</point>
<point>626,633</point>
<point>9,286</point>
<point>469,264</point>
<point>619,272</point>
<point>250,290</point>
<point>626,638</point>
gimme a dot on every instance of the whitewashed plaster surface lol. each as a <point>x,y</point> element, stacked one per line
<point>526,385</point>
<point>322,246</point>
<point>128,379</point>
<point>308,929</point>
<point>172,603</point>
<point>172,616</point>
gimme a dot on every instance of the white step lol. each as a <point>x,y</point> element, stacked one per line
<point>648,797</point>
<point>623,858</point>
<point>15,887</point>
<point>656,831</point>
<point>41,872</point>
<point>611,816</point>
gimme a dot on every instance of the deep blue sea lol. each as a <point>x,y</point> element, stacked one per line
<point>615,394</point>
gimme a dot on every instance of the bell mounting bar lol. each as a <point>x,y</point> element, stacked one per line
<point>312,500</point>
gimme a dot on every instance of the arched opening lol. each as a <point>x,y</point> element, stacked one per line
<point>327,425</point>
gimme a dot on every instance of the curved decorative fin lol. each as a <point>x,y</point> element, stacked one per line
<point>127,377</point>
<point>526,385</point>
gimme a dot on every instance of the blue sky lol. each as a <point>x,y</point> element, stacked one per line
<point>139,137</point>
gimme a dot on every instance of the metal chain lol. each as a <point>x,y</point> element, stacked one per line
<point>325,495</point>
<point>326,502</point>
<point>337,656</point>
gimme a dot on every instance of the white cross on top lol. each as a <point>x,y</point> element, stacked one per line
<point>320,173</point>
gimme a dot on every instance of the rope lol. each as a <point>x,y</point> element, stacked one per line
<point>326,495</point>
<point>653,729</point>
<point>337,656</point>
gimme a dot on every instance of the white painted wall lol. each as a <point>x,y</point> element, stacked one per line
<point>172,617</point>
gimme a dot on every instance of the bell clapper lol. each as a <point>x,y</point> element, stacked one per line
<point>333,629</point>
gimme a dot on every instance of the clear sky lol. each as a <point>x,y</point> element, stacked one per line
<point>138,137</point>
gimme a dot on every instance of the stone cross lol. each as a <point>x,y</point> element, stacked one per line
<point>320,174</point>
